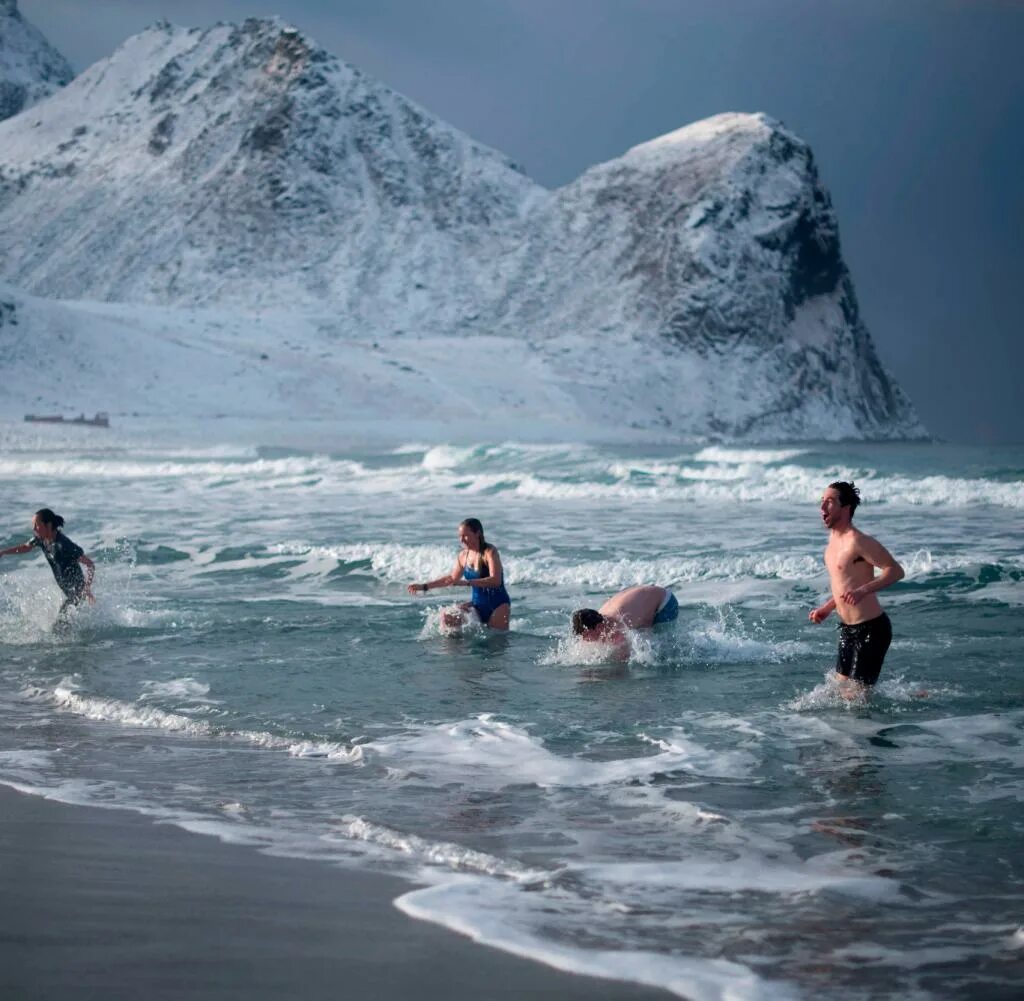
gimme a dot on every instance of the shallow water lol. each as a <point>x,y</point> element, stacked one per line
<point>708,817</point>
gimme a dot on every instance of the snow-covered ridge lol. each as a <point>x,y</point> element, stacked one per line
<point>694,285</point>
<point>30,68</point>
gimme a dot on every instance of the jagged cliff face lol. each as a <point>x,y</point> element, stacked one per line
<point>695,283</point>
<point>30,68</point>
<point>720,242</point>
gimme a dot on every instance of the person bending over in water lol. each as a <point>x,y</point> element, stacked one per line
<point>478,566</point>
<point>851,558</point>
<point>65,558</point>
<point>637,607</point>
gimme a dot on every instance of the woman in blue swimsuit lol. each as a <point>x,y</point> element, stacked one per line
<point>478,566</point>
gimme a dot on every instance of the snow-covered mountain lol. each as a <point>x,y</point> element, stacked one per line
<point>694,285</point>
<point>30,67</point>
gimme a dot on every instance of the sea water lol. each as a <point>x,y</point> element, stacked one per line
<point>708,817</point>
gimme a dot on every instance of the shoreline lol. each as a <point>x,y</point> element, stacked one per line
<point>107,903</point>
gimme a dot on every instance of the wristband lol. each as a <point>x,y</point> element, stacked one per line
<point>424,588</point>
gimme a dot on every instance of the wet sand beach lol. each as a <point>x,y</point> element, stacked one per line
<point>107,904</point>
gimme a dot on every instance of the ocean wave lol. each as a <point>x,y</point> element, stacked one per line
<point>748,456</point>
<point>188,689</point>
<point>504,916</point>
<point>397,563</point>
<point>754,872</point>
<point>108,710</point>
<point>725,639</point>
<point>199,471</point>
<point>437,853</point>
<point>713,476</point>
<point>499,754</point>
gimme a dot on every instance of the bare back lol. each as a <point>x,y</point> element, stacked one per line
<point>635,607</point>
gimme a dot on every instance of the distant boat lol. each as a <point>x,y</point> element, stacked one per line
<point>101,419</point>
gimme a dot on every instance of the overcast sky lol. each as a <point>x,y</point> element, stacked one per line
<point>914,110</point>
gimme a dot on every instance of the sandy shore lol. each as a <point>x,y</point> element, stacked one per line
<point>107,904</point>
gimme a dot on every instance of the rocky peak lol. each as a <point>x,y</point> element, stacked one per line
<point>243,167</point>
<point>30,68</point>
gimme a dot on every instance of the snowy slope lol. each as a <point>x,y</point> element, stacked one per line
<point>30,68</point>
<point>693,286</point>
<point>241,165</point>
<point>166,362</point>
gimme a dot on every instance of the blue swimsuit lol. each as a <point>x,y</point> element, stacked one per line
<point>486,599</point>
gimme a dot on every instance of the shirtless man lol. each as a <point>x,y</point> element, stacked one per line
<point>637,607</point>
<point>851,558</point>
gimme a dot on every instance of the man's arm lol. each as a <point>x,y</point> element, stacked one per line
<point>822,612</point>
<point>878,556</point>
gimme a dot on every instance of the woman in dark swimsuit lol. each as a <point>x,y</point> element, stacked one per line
<point>478,566</point>
<point>65,558</point>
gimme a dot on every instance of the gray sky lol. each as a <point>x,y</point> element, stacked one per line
<point>914,109</point>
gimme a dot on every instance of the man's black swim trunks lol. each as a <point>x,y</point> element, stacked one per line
<point>862,649</point>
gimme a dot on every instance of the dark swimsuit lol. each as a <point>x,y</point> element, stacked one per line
<point>486,600</point>
<point>862,649</point>
<point>62,554</point>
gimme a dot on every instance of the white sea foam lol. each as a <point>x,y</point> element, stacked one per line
<point>498,754</point>
<point>500,915</point>
<point>725,639</point>
<point>65,696</point>
<point>747,574</point>
<point>760,456</point>
<point>446,457</point>
<point>188,689</point>
<point>25,766</point>
<point>753,872</point>
<point>451,620</point>
<point>719,637</point>
<point>262,470</point>
<point>401,563</point>
<point>572,651</point>
<point>444,854</point>
<point>827,695</point>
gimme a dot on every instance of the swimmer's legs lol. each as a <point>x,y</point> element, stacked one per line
<point>62,626</point>
<point>453,619</point>
<point>851,689</point>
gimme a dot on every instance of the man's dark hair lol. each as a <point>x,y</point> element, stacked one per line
<point>585,619</point>
<point>849,495</point>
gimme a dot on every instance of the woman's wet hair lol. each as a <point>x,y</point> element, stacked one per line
<point>849,495</point>
<point>477,529</point>
<point>585,619</point>
<point>48,518</point>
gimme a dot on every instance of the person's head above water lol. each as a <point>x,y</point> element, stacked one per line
<point>585,620</point>
<point>849,495</point>
<point>45,524</point>
<point>471,534</point>
<point>838,503</point>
